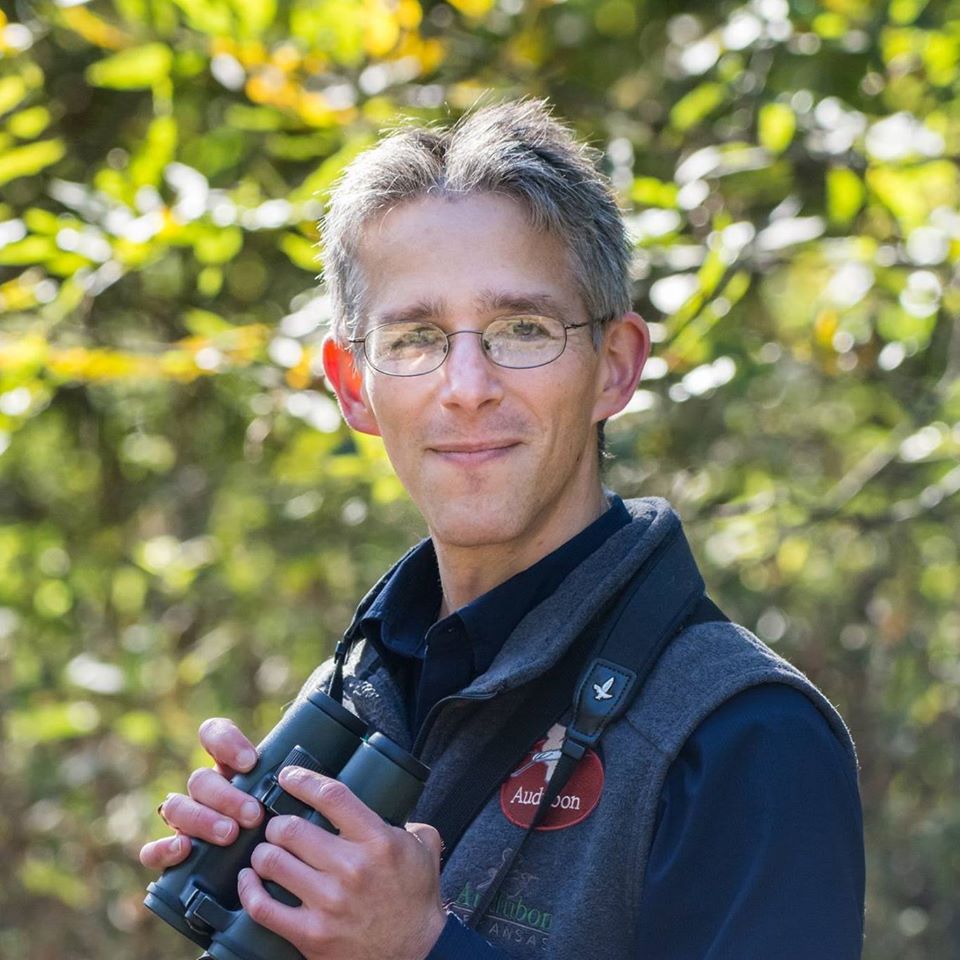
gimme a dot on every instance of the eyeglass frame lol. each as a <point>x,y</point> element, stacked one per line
<point>479,333</point>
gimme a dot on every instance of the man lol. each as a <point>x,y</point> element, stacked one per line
<point>483,328</point>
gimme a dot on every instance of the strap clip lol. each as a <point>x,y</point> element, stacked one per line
<point>604,693</point>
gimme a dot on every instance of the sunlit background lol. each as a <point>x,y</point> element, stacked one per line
<point>185,523</point>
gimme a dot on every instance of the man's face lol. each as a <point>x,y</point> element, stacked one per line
<point>491,456</point>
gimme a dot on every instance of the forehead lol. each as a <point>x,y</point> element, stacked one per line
<point>478,253</point>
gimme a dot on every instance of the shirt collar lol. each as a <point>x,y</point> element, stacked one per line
<point>399,618</point>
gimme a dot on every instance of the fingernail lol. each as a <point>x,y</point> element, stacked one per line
<point>176,845</point>
<point>292,774</point>
<point>250,810</point>
<point>222,828</point>
<point>246,759</point>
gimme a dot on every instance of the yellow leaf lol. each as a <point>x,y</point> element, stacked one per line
<point>23,354</point>
<point>776,126</point>
<point>254,16</point>
<point>409,14</point>
<point>301,376</point>
<point>203,323</point>
<point>792,555</point>
<point>93,29</point>
<point>286,58</point>
<point>912,193</point>
<point>28,124</point>
<point>30,159</point>
<point>472,8</point>
<point>825,327</point>
<point>906,11</point>
<point>218,245</point>
<point>845,195</point>
<point>381,28</point>
<point>155,152</point>
<point>651,192</point>
<point>210,281</point>
<point>302,252</point>
<point>12,90</point>
<point>941,55</point>
<point>27,251</point>
<point>135,69</point>
<point>527,48</point>
<point>17,295</point>
<point>830,26</point>
<point>314,109</point>
<point>688,111</point>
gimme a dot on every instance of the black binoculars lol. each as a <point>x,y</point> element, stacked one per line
<point>199,896</point>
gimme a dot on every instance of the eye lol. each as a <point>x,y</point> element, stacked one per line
<point>525,328</point>
<point>404,339</point>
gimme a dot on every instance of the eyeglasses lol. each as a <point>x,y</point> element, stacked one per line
<point>409,348</point>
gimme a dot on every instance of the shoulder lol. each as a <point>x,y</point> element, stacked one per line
<point>775,729</point>
<point>764,775</point>
<point>704,678</point>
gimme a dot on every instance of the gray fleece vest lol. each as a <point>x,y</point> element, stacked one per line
<point>574,890</point>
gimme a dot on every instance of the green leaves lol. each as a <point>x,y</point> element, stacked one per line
<point>13,89</point>
<point>29,160</point>
<point>845,195</point>
<point>138,68</point>
<point>185,521</point>
<point>695,106</point>
<point>777,124</point>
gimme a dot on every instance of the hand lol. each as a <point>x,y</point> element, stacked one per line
<point>214,810</point>
<point>370,893</point>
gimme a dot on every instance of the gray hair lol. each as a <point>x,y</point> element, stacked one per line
<point>513,149</point>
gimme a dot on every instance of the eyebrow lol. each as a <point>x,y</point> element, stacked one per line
<point>421,310</point>
<point>492,301</point>
<point>536,303</point>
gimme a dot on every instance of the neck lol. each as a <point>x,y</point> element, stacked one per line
<point>469,572</point>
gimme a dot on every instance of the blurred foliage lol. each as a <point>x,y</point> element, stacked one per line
<point>185,524</point>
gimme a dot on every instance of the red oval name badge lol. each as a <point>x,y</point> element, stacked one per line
<point>522,791</point>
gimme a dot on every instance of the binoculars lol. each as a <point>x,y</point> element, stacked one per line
<point>199,897</point>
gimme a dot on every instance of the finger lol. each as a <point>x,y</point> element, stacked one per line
<point>274,863</point>
<point>163,853</point>
<point>430,839</point>
<point>196,820</point>
<point>263,909</point>
<point>209,788</point>
<point>223,740</point>
<point>353,818</point>
<point>316,847</point>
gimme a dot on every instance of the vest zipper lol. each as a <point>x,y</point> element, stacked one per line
<point>431,716</point>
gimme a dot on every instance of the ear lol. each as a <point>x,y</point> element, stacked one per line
<point>624,351</point>
<point>347,382</point>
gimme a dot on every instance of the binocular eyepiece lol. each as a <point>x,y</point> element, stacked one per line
<point>199,897</point>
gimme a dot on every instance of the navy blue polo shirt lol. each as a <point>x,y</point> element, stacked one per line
<point>730,855</point>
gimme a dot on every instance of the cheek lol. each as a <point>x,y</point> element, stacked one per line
<point>394,409</point>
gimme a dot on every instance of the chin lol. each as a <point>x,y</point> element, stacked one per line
<point>471,529</point>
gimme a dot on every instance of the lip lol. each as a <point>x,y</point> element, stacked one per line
<point>474,453</point>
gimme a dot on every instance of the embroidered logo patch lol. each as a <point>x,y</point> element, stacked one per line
<point>522,791</point>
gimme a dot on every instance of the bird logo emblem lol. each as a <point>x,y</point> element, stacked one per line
<point>603,692</point>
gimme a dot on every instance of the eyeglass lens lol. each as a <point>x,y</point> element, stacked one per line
<point>409,348</point>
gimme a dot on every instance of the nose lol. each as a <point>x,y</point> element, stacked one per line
<point>470,378</point>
